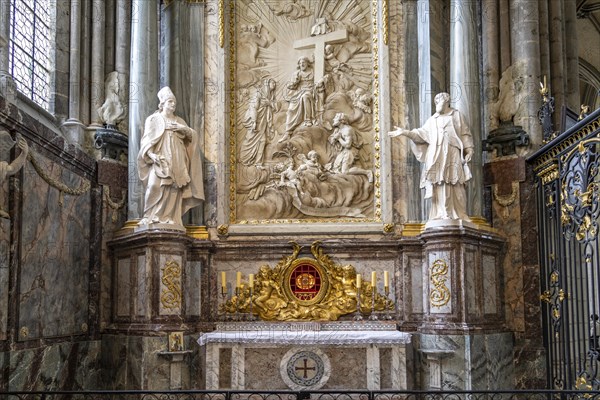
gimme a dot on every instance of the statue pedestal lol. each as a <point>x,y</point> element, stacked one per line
<point>457,275</point>
<point>307,356</point>
<point>159,282</point>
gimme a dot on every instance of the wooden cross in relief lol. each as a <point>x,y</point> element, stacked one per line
<point>319,42</point>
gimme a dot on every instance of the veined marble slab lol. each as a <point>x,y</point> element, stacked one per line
<point>306,337</point>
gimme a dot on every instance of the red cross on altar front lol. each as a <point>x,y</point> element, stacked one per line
<point>319,42</point>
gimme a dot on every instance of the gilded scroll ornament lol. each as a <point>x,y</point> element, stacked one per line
<point>579,190</point>
<point>171,278</point>
<point>304,288</point>
<point>438,274</point>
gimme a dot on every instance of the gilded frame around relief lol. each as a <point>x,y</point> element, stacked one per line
<point>260,77</point>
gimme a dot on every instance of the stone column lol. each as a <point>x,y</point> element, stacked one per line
<point>109,36</point>
<point>122,50</point>
<point>86,61</point>
<point>73,128</point>
<point>7,85</point>
<point>572,92</point>
<point>557,79</point>
<point>409,167</point>
<point>183,70</point>
<point>98,20</point>
<point>143,89</point>
<point>526,52</point>
<point>464,87</point>
<point>491,62</point>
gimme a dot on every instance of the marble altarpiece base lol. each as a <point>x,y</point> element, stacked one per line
<point>448,316</point>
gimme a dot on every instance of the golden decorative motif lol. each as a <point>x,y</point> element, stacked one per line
<point>576,203</point>
<point>305,281</point>
<point>388,228</point>
<point>24,332</point>
<point>171,278</point>
<point>412,229</point>
<point>197,232</point>
<point>438,274</point>
<point>223,230</point>
<point>232,139</point>
<point>84,327</point>
<point>385,21</point>
<point>222,23</point>
<point>548,158</point>
<point>55,183</point>
<point>584,110</point>
<point>376,139</point>
<point>275,299</point>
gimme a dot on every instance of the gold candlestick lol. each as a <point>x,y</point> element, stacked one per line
<point>373,317</point>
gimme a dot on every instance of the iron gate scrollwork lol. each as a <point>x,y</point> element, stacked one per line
<point>568,171</point>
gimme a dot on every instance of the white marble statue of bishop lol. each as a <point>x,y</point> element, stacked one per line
<point>169,165</point>
<point>445,146</point>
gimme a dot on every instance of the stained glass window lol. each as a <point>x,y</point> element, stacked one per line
<point>29,47</point>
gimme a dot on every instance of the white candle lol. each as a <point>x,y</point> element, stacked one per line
<point>224,280</point>
<point>373,279</point>
<point>358,281</point>
<point>239,280</point>
<point>386,279</point>
<point>251,281</point>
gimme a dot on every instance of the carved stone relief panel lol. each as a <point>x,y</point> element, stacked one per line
<point>303,135</point>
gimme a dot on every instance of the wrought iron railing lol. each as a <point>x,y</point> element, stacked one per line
<point>568,170</point>
<point>305,395</point>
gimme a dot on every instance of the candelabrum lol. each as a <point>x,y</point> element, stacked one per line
<point>238,292</point>
<point>251,317</point>
<point>358,316</point>
<point>373,317</point>
<point>224,302</point>
<point>388,316</point>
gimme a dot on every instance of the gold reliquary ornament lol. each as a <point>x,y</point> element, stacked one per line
<point>305,289</point>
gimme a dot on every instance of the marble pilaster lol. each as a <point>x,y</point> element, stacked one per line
<point>464,87</point>
<point>143,89</point>
<point>373,368</point>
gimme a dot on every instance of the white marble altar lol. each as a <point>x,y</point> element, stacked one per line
<point>302,356</point>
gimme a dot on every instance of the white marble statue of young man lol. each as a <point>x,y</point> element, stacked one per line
<point>169,165</point>
<point>445,146</point>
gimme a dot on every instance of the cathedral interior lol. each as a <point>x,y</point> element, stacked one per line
<point>299,195</point>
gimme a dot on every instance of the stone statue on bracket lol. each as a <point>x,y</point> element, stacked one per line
<point>113,110</point>
<point>169,166</point>
<point>8,169</point>
<point>445,146</point>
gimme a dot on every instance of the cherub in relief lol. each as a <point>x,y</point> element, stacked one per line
<point>292,11</point>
